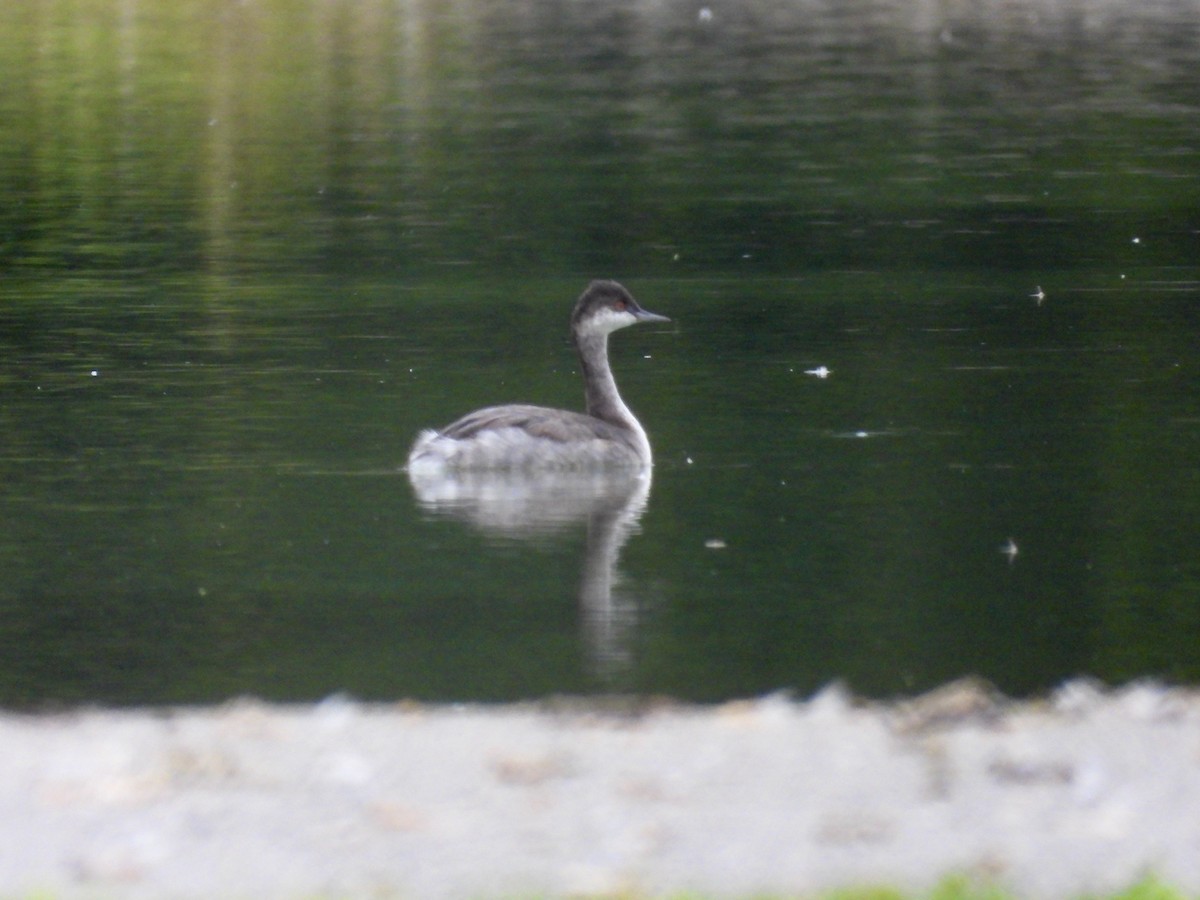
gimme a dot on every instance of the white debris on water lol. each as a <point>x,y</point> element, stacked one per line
<point>1011,550</point>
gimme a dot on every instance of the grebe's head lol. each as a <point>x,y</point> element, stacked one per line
<point>606,306</point>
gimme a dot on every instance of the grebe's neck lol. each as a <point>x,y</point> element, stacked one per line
<point>600,389</point>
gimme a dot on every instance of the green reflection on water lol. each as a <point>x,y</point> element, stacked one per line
<point>407,138</point>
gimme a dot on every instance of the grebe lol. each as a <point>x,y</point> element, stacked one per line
<point>523,438</point>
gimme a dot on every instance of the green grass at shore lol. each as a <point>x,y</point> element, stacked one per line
<point>954,888</point>
<point>967,889</point>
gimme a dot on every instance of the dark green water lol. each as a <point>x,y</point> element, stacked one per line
<point>248,250</point>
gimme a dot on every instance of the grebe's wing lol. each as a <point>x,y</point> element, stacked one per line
<point>559,425</point>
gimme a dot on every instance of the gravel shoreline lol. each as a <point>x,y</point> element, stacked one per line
<point>1088,790</point>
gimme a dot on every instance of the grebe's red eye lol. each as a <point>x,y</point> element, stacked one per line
<point>620,305</point>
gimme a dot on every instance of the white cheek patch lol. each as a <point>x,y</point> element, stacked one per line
<point>607,320</point>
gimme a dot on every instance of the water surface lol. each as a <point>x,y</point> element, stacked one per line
<point>250,252</point>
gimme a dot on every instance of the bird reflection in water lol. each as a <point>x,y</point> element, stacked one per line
<point>532,506</point>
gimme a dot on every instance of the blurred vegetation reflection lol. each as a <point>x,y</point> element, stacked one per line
<point>406,136</point>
